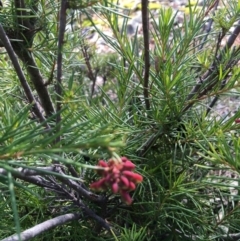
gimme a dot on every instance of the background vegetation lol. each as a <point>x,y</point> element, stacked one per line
<point>151,97</point>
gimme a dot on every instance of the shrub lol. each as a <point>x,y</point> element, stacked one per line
<point>154,98</point>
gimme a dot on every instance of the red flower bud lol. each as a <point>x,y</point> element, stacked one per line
<point>108,177</point>
<point>128,165</point>
<point>131,186</point>
<point>111,163</point>
<point>126,197</point>
<point>134,176</point>
<point>102,163</point>
<point>124,159</point>
<point>124,181</point>
<point>99,185</point>
<point>115,170</point>
<point>115,187</point>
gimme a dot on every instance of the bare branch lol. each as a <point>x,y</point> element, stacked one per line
<point>44,226</point>
<point>37,180</point>
<point>33,172</point>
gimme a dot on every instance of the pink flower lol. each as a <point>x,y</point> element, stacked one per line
<point>117,176</point>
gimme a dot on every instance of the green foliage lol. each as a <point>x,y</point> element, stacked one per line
<point>189,158</point>
<point>133,234</point>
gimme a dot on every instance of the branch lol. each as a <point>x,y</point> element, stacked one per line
<point>34,7</point>
<point>44,226</point>
<point>36,78</point>
<point>87,211</point>
<point>80,190</point>
<point>36,180</point>
<point>20,74</point>
<point>22,15</point>
<point>62,20</point>
<point>229,237</point>
<point>145,26</point>
<point>91,76</point>
<point>24,31</point>
<point>202,81</point>
<point>30,172</point>
<point>146,146</point>
<point>33,176</point>
<point>62,190</point>
<point>227,70</point>
<point>209,26</point>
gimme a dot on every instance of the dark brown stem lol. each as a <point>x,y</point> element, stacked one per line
<point>62,25</point>
<point>24,32</point>
<point>20,74</point>
<point>22,15</point>
<point>36,78</point>
<point>145,26</point>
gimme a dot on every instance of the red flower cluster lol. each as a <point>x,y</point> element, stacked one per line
<point>119,176</point>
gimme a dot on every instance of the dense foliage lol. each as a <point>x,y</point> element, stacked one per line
<point>150,96</point>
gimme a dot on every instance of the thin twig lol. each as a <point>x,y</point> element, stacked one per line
<point>231,40</point>
<point>72,170</point>
<point>143,150</point>
<point>33,172</point>
<point>223,83</point>
<point>80,190</point>
<point>145,26</point>
<point>209,27</point>
<point>91,76</point>
<point>209,73</point>
<point>213,5</point>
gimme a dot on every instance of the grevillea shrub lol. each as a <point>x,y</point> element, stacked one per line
<point>66,102</point>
